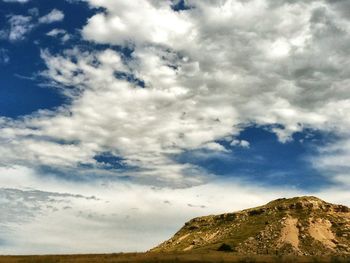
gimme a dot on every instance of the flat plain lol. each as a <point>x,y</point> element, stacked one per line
<point>209,257</point>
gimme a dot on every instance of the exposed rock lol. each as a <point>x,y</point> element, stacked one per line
<point>290,233</point>
<point>320,229</point>
<point>296,226</point>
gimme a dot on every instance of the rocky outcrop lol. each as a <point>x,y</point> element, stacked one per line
<point>299,226</point>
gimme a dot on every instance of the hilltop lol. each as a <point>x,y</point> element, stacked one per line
<point>296,226</point>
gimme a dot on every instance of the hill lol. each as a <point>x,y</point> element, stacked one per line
<point>300,226</point>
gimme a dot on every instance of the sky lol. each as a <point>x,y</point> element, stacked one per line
<point>121,120</point>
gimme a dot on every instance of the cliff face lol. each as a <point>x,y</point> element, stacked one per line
<point>299,226</point>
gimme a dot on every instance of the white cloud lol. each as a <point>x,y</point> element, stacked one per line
<point>56,32</point>
<point>240,143</point>
<point>137,21</point>
<point>208,71</point>
<point>106,217</point>
<point>54,16</point>
<point>333,160</point>
<point>81,217</point>
<point>60,33</point>
<point>4,57</point>
<point>20,26</point>
<point>204,80</point>
<point>16,1</point>
<point>33,12</point>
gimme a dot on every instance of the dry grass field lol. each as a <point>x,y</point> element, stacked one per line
<point>165,258</point>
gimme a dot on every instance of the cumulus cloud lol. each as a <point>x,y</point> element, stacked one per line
<point>194,77</point>
<point>54,16</point>
<point>159,23</point>
<point>278,64</point>
<point>206,73</point>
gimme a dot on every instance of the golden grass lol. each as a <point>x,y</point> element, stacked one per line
<point>165,258</point>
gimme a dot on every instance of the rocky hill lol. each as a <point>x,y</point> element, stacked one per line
<point>297,226</point>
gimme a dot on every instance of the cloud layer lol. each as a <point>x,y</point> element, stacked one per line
<point>111,217</point>
<point>195,76</point>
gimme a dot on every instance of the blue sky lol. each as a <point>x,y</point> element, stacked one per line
<point>20,82</point>
<point>111,111</point>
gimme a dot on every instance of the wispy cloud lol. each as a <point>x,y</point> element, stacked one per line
<point>54,16</point>
<point>19,26</point>
<point>16,1</point>
<point>85,217</point>
<point>4,57</point>
<point>106,218</point>
<point>60,33</point>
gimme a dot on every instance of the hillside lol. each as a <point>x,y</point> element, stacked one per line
<point>296,226</point>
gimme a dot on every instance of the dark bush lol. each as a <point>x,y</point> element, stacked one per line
<point>256,212</point>
<point>225,247</point>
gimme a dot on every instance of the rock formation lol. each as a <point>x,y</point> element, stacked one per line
<point>296,226</point>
